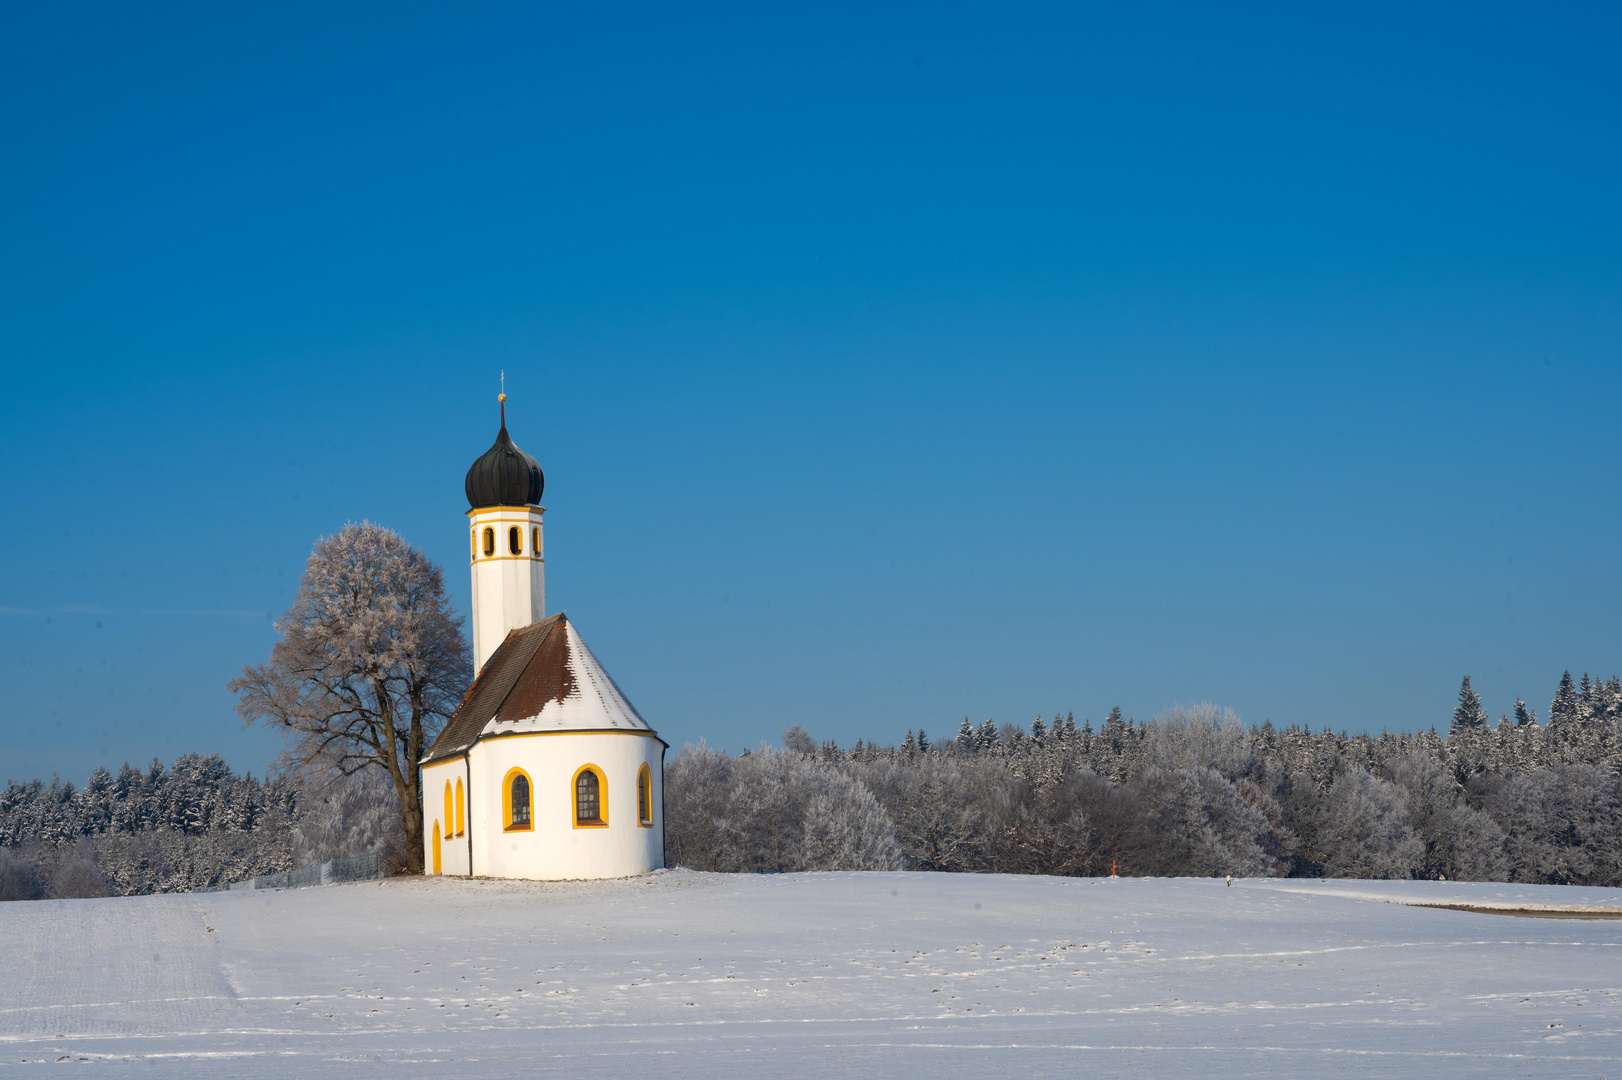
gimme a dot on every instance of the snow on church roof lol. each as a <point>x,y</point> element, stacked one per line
<point>542,678</point>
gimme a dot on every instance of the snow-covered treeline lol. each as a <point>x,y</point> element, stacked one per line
<point>1193,792</point>
<point>192,824</point>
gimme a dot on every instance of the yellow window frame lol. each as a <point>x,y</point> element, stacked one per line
<point>507,801</point>
<point>644,796</point>
<point>602,798</point>
<point>460,808</point>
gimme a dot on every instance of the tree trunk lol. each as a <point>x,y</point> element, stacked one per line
<point>412,817</point>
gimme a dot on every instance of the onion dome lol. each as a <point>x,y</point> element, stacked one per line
<point>504,475</point>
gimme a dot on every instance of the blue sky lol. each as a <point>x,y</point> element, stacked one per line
<point>888,366</point>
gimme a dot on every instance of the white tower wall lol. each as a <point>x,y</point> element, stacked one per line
<point>556,848</point>
<point>509,589</point>
<point>553,846</point>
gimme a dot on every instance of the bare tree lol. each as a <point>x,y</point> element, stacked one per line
<point>371,663</point>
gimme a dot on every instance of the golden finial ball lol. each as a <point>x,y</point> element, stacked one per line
<point>502,398</point>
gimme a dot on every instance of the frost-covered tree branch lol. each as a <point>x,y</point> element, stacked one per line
<point>371,663</point>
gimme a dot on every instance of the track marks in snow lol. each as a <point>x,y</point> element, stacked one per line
<point>110,967</point>
<point>874,973</point>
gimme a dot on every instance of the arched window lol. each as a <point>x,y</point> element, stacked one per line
<point>459,817</point>
<point>515,540</point>
<point>590,797</point>
<point>520,800</point>
<point>448,805</point>
<point>436,848</point>
<point>489,541</point>
<point>644,796</point>
<point>473,543</point>
<point>535,542</point>
<point>515,801</point>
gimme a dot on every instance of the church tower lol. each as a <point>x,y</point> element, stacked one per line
<point>585,801</point>
<point>504,542</point>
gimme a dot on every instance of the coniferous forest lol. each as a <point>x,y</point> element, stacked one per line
<point>1192,792</point>
<point>191,825</point>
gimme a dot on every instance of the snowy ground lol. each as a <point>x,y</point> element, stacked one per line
<point>857,974</point>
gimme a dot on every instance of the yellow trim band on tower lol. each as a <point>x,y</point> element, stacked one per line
<point>526,510</point>
<point>491,736</point>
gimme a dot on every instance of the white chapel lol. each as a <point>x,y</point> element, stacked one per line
<point>545,770</point>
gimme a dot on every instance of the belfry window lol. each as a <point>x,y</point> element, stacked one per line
<point>535,542</point>
<point>515,540</point>
<point>588,798</point>
<point>489,542</point>
<point>520,802</point>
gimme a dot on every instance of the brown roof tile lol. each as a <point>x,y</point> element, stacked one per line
<point>492,686</point>
<point>542,678</point>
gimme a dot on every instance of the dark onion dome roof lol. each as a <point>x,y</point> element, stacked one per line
<point>504,475</point>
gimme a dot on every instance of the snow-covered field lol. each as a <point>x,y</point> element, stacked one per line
<point>903,974</point>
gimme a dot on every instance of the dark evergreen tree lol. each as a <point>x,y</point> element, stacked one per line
<point>1524,714</point>
<point>965,735</point>
<point>1114,727</point>
<point>1468,715</point>
<point>1563,709</point>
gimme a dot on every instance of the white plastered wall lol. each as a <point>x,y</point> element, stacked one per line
<point>509,591</point>
<point>453,849</point>
<point>554,848</point>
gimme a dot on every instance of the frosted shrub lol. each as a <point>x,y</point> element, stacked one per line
<point>698,832</point>
<point>343,816</point>
<point>1365,832</point>
<point>939,807</point>
<point>1191,821</point>
<point>771,812</point>
<point>76,875</point>
<point>1562,825</point>
<point>1461,843</point>
<point>845,827</point>
<point>1199,737</point>
<point>20,879</point>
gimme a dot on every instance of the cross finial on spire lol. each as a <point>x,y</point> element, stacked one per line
<point>502,397</point>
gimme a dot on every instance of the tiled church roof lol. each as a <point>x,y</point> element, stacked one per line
<point>542,678</point>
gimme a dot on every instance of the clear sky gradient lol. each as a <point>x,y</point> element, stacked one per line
<point>888,365</point>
